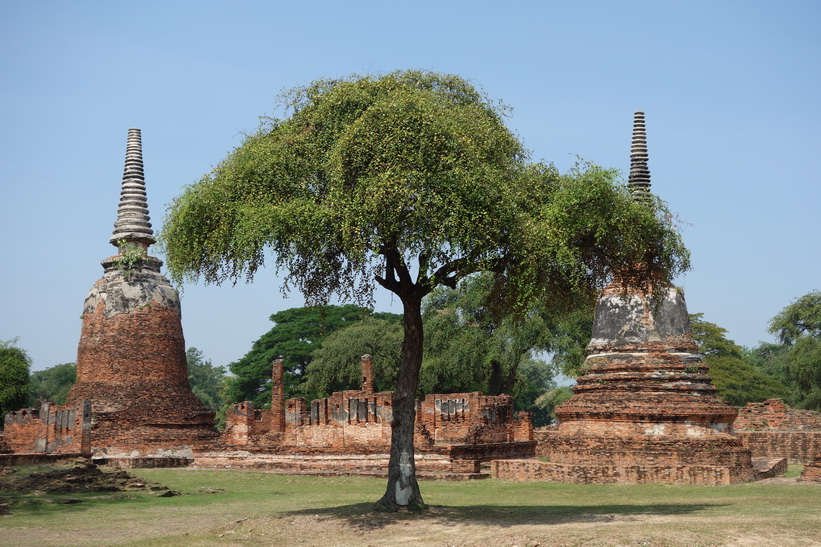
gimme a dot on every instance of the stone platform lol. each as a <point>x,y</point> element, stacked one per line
<point>436,465</point>
<point>707,475</point>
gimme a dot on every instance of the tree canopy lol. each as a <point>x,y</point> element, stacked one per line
<point>52,384</point>
<point>297,333</point>
<point>206,380</point>
<point>335,364</point>
<point>468,347</point>
<point>14,377</point>
<point>737,381</point>
<point>798,328</point>
<point>410,181</point>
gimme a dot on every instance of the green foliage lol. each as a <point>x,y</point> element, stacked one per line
<point>130,255</point>
<point>711,338</point>
<point>335,364</point>
<point>534,379</point>
<point>468,347</point>
<point>207,381</point>
<point>52,384</point>
<point>798,328</point>
<point>14,377</point>
<point>297,333</point>
<point>545,405</point>
<point>771,359</point>
<point>738,382</point>
<point>800,319</point>
<point>409,168</point>
<point>411,181</point>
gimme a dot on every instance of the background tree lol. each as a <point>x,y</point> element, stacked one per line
<point>737,381</point>
<point>207,381</point>
<point>297,333</point>
<point>335,365</point>
<point>409,181</point>
<point>52,384</point>
<point>798,328</point>
<point>545,405</point>
<point>469,347</point>
<point>14,377</point>
<point>534,380</point>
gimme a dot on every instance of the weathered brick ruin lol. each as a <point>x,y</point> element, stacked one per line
<point>131,363</point>
<point>50,429</point>
<point>773,429</point>
<point>644,411</point>
<point>350,432</point>
<point>812,471</point>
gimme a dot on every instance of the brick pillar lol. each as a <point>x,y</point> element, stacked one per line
<point>367,373</point>
<point>278,396</point>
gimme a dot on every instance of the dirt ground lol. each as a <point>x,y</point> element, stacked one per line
<point>358,525</point>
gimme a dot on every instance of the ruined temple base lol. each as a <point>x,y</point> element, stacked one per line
<point>535,470</point>
<point>455,462</point>
<point>812,471</point>
<point>639,459</point>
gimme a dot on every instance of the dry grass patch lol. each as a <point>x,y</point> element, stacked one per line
<point>243,508</point>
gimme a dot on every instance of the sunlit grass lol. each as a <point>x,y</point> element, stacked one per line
<point>230,507</point>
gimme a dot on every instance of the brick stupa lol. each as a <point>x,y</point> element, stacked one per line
<point>645,410</point>
<point>131,360</point>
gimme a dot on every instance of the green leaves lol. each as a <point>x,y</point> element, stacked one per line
<point>738,382</point>
<point>798,328</point>
<point>801,318</point>
<point>297,333</point>
<point>14,377</point>
<point>421,167</point>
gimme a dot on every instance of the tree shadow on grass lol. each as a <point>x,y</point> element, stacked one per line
<point>363,515</point>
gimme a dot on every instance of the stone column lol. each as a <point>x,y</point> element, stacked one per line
<point>367,373</point>
<point>278,396</point>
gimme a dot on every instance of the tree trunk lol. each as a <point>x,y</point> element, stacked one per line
<point>403,490</point>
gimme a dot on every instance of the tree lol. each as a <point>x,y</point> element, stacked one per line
<point>14,377</point>
<point>737,381</point>
<point>207,381</point>
<point>545,405</point>
<point>297,333</point>
<point>534,379</point>
<point>335,365</point>
<point>52,384</point>
<point>469,347</point>
<point>798,328</point>
<point>410,181</point>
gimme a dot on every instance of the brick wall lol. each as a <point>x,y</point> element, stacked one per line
<point>796,446</point>
<point>534,470</point>
<point>774,429</point>
<point>776,414</point>
<point>812,471</point>
<point>359,420</point>
<point>51,429</point>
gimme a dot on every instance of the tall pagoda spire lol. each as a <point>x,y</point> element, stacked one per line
<point>132,225</point>
<point>639,180</point>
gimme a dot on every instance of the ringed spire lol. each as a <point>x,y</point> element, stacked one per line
<point>133,223</point>
<point>639,180</point>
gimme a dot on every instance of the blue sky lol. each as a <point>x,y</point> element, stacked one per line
<point>730,89</point>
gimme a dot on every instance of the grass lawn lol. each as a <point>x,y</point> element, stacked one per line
<point>245,508</point>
